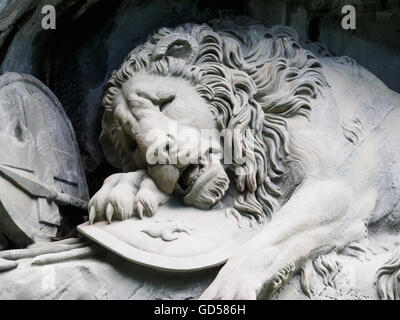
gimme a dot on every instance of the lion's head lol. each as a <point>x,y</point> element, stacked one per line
<point>247,80</point>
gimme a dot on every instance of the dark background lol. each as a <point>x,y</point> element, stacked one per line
<point>94,36</point>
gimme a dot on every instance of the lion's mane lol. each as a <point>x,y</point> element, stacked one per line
<point>252,77</point>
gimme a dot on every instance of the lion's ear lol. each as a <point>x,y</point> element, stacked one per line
<point>106,140</point>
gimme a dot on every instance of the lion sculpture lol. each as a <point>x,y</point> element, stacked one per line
<point>317,135</point>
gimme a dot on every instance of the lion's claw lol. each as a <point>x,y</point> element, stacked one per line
<point>146,205</point>
<point>92,214</point>
<point>109,212</point>
<point>139,210</point>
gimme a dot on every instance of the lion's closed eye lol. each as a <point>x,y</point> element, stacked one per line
<point>164,103</point>
<point>142,98</point>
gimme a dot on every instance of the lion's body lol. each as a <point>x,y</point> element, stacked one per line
<point>321,159</point>
<point>358,120</point>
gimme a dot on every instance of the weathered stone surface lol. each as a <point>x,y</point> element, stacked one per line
<point>353,135</point>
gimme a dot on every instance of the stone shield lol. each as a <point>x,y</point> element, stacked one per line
<point>178,238</point>
<point>36,139</point>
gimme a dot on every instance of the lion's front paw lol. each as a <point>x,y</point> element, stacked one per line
<point>232,284</point>
<point>124,195</point>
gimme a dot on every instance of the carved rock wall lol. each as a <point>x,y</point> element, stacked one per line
<point>91,40</point>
